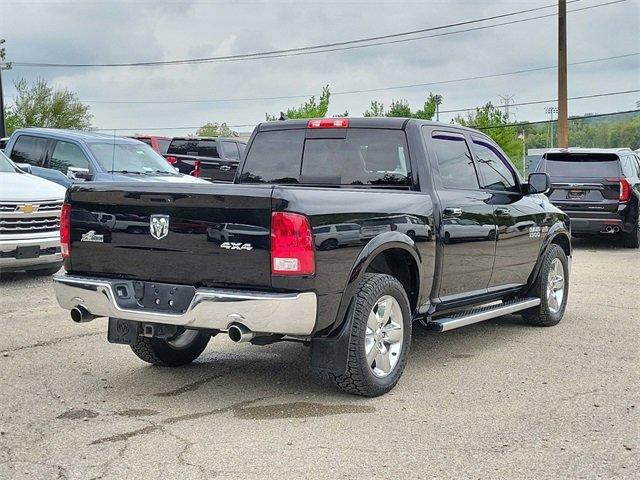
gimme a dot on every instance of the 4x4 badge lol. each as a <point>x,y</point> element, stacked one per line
<point>159,226</point>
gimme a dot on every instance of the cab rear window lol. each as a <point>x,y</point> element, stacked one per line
<point>365,157</point>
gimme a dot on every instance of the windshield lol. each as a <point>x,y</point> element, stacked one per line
<point>5,164</point>
<point>130,158</point>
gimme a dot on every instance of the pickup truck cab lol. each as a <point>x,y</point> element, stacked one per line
<point>211,158</point>
<point>262,271</point>
<point>68,156</point>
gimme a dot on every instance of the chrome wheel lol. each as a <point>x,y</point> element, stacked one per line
<point>384,336</point>
<point>555,286</point>
<point>184,339</point>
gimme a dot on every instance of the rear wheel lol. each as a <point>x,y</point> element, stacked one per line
<point>182,349</point>
<point>632,239</point>
<point>552,287</point>
<point>380,337</point>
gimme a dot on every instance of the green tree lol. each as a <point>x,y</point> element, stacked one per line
<point>216,130</point>
<point>401,108</point>
<point>493,122</point>
<point>3,50</point>
<point>312,108</point>
<point>39,105</point>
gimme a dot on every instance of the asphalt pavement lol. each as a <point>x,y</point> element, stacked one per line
<point>497,399</point>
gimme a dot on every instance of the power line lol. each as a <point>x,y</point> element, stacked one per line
<point>350,92</point>
<point>328,47</point>
<point>535,102</point>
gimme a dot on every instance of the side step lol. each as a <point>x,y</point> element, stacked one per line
<point>476,315</point>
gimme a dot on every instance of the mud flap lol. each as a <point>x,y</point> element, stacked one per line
<point>330,354</point>
<point>122,331</point>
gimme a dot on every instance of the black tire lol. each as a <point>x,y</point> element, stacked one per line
<point>359,379</point>
<point>632,239</point>
<point>160,352</point>
<point>329,244</point>
<point>45,272</point>
<point>542,315</point>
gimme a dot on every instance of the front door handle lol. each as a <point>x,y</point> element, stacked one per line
<point>452,212</point>
<point>502,212</point>
<point>225,168</point>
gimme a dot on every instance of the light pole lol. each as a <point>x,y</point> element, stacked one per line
<point>563,111</point>
<point>3,66</point>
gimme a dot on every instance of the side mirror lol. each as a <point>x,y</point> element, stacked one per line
<point>25,167</point>
<point>538,183</point>
<point>75,173</point>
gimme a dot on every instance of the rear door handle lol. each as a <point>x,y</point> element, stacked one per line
<point>452,211</point>
<point>502,212</point>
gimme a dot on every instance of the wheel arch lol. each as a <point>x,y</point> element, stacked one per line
<point>392,253</point>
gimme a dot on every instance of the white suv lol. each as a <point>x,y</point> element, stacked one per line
<point>29,221</point>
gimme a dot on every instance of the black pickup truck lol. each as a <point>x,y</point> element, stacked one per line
<point>476,242</point>
<point>211,158</point>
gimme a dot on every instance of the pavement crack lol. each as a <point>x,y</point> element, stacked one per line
<point>49,343</point>
<point>121,437</point>
<point>190,387</point>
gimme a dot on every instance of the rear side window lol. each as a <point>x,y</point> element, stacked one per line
<point>67,155</point>
<point>230,150</point>
<point>493,168</point>
<point>581,165</point>
<point>454,161</point>
<point>629,167</point>
<point>180,146</point>
<point>28,149</point>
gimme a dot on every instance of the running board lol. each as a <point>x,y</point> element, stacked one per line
<point>476,315</point>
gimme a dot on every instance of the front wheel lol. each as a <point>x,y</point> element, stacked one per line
<point>552,287</point>
<point>380,337</point>
<point>180,350</point>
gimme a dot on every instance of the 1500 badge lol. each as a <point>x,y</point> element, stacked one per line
<point>236,246</point>
<point>536,232</point>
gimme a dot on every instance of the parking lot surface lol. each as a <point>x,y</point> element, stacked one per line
<point>493,400</point>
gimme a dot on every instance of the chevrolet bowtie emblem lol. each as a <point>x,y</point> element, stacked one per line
<point>27,208</point>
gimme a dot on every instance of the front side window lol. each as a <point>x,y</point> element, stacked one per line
<point>130,158</point>
<point>494,171</point>
<point>67,155</point>
<point>28,149</point>
<point>230,150</point>
<point>454,161</point>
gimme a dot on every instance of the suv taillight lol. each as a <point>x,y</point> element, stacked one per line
<point>625,188</point>
<point>65,230</point>
<point>171,160</point>
<point>292,248</point>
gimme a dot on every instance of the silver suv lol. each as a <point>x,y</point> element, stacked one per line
<point>29,221</point>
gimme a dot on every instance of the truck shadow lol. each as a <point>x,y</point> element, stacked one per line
<point>232,373</point>
<point>596,243</point>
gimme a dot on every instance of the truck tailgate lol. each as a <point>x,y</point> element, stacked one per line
<point>210,235</point>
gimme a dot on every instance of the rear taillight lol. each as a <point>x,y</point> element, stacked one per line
<point>292,249</point>
<point>625,188</point>
<point>328,123</point>
<point>65,230</point>
<point>171,160</point>
<point>196,168</point>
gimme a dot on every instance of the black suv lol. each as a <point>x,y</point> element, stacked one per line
<point>598,188</point>
<point>211,158</point>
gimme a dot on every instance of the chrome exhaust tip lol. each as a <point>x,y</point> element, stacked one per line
<point>616,229</point>
<point>80,314</point>
<point>238,333</point>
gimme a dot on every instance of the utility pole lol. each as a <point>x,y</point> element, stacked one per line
<point>563,114</point>
<point>3,66</point>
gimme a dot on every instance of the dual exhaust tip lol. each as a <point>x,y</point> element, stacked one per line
<point>611,229</point>
<point>237,332</point>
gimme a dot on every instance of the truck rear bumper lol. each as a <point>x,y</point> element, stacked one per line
<point>214,309</point>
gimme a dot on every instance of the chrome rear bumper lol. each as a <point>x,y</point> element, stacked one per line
<point>262,312</point>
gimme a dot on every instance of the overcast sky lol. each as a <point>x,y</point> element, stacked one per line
<point>94,31</point>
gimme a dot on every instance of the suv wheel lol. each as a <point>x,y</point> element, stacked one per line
<point>632,239</point>
<point>380,337</point>
<point>182,349</point>
<point>552,287</point>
